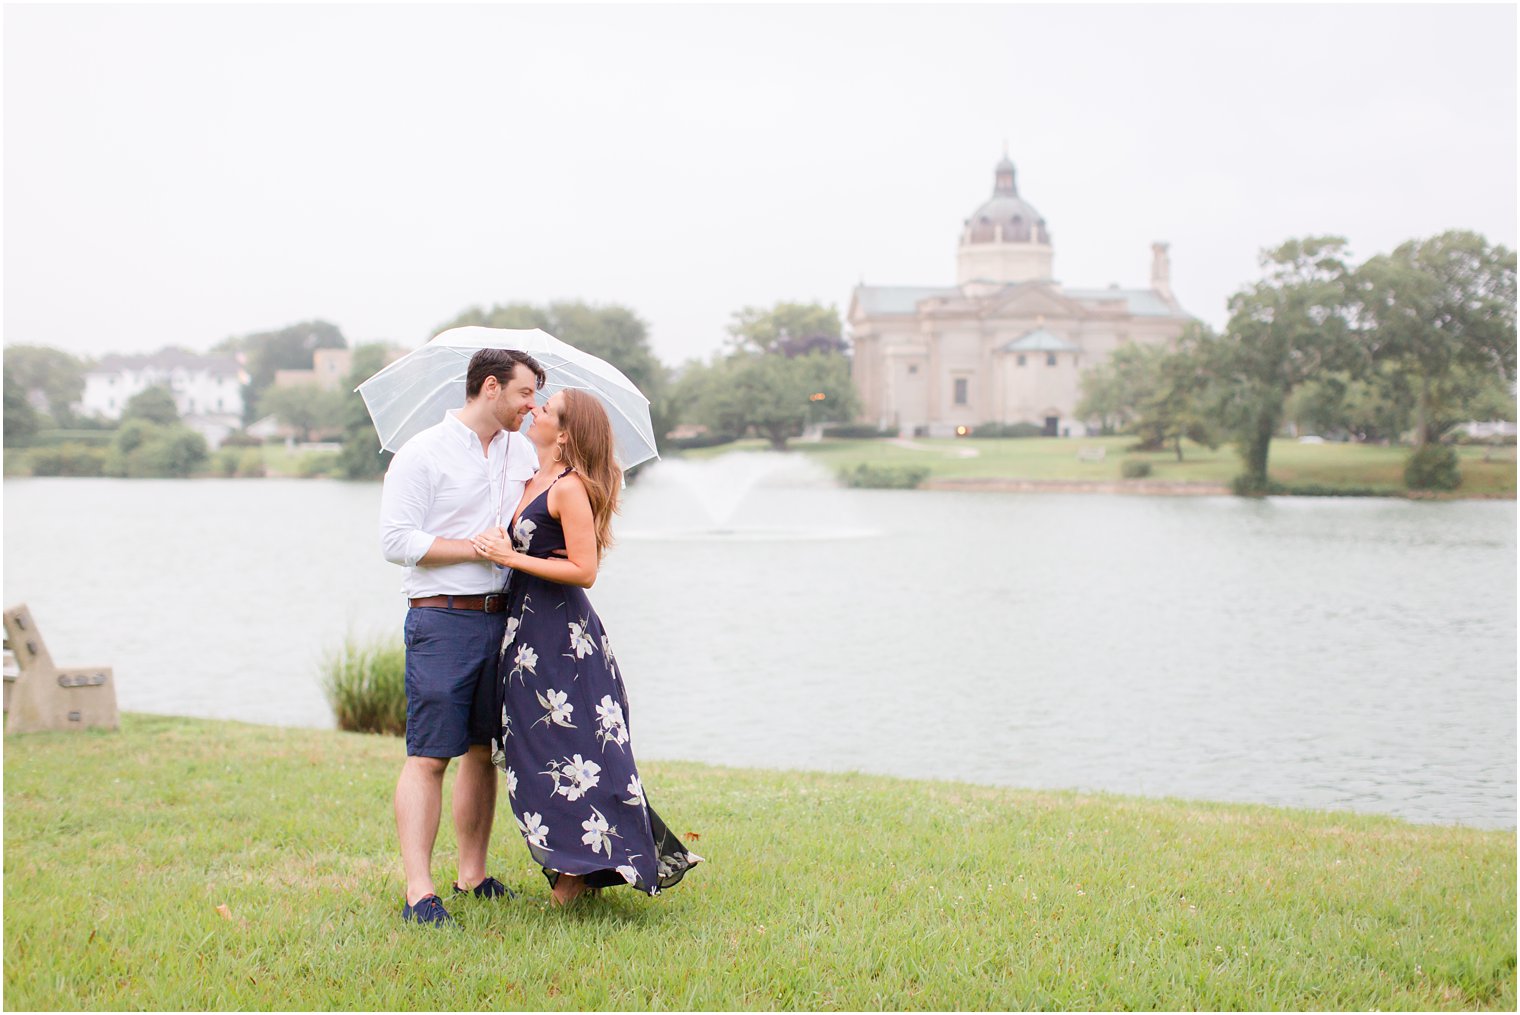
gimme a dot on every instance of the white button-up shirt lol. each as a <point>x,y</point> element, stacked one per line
<point>441,485</point>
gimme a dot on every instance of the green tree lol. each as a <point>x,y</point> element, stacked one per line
<point>21,422</point>
<point>789,328</point>
<point>55,373</point>
<point>144,449</point>
<point>265,352</point>
<point>1441,312</point>
<point>361,457</point>
<point>1159,394</point>
<point>1285,330</point>
<point>776,396</point>
<point>1109,392</point>
<point>304,407</point>
<point>154,404</point>
<point>1181,393</point>
<point>1364,407</point>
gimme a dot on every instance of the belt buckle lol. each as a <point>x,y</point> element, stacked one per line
<point>495,602</point>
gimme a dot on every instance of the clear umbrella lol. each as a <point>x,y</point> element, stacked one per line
<point>413,393</point>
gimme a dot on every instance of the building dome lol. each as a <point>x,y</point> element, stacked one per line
<point>1005,217</point>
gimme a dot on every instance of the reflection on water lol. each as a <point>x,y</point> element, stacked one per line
<point>1343,654</point>
<point>741,496</point>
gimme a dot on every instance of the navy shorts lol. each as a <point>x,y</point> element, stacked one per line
<point>451,680</point>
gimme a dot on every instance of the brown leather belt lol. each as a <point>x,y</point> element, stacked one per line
<point>496,602</point>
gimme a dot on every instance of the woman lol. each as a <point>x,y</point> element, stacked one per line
<point>571,778</point>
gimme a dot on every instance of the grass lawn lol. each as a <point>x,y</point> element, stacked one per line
<point>184,864</point>
<point>281,461</point>
<point>1344,465</point>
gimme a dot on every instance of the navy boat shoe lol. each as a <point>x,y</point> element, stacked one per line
<point>490,888</point>
<point>428,909</point>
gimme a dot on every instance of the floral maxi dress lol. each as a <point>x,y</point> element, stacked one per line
<point>571,780</point>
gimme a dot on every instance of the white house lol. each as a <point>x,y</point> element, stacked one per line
<point>201,385</point>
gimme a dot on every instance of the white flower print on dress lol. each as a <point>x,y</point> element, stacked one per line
<point>614,730</point>
<point>607,652</point>
<point>557,709</point>
<point>522,534</point>
<point>630,874</point>
<point>580,642</point>
<point>534,830</point>
<point>598,833</point>
<point>587,773</point>
<point>498,755</point>
<point>574,777</point>
<point>526,659</point>
<point>511,635</point>
<point>511,783</point>
<point>635,792</point>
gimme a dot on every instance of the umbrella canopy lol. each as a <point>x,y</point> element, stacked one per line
<point>413,393</point>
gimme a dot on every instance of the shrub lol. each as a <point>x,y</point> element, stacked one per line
<point>250,463</point>
<point>1432,467</point>
<point>142,449</point>
<point>225,461</point>
<point>1245,485</point>
<point>857,431</point>
<point>1134,468</point>
<point>314,464</point>
<point>1008,430</point>
<point>68,460</point>
<point>241,439</point>
<point>366,686</point>
<point>245,462</point>
<point>884,477</point>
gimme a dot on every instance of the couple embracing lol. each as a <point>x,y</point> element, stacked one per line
<point>507,665</point>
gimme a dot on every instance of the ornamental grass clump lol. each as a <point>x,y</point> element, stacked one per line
<point>366,686</point>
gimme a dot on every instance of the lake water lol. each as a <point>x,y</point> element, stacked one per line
<point>1351,654</point>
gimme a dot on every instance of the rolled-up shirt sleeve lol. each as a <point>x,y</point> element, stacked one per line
<point>404,501</point>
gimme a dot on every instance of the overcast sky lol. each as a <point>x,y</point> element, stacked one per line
<point>179,174</point>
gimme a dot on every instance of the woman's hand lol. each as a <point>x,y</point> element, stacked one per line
<point>494,546</point>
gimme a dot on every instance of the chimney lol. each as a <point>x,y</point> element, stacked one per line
<point>1161,271</point>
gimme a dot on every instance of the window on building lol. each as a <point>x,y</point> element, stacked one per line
<point>961,384</point>
<point>1050,359</point>
<point>912,368</point>
<point>1023,359</point>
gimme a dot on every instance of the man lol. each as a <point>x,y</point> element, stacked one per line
<point>446,485</point>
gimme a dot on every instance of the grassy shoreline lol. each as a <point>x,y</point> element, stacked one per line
<point>1040,463</point>
<point>821,892</point>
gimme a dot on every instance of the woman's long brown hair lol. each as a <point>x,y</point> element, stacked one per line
<point>588,449</point>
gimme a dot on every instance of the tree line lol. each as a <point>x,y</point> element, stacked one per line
<point>783,368</point>
<point>1414,341</point>
<point>1411,342</point>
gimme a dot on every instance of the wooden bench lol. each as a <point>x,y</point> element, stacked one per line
<point>40,695</point>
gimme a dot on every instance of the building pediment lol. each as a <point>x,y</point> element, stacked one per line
<point>1029,299</point>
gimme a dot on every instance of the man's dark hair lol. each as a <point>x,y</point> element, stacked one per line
<point>498,363</point>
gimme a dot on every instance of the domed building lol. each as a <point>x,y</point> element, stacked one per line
<point>1007,343</point>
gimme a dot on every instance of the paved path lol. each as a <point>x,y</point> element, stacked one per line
<point>951,453</point>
